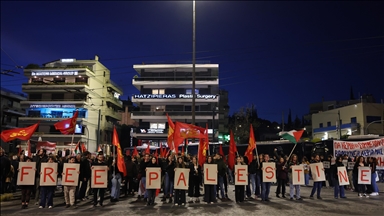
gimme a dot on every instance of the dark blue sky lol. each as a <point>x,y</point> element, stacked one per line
<point>276,55</point>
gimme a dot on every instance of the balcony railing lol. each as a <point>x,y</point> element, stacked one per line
<point>63,67</point>
<point>114,85</point>
<point>174,78</point>
<point>49,99</point>
<point>56,83</point>
<point>171,113</point>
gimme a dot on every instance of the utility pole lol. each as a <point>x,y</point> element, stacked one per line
<point>338,113</point>
<point>98,130</point>
<point>193,62</point>
<point>282,121</point>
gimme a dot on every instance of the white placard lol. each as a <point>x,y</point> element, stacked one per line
<point>241,175</point>
<point>27,172</point>
<point>317,171</point>
<point>269,172</point>
<point>364,175</point>
<point>48,175</point>
<point>326,164</point>
<point>70,174</point>
<point>99,177</point>
<point>342,176</point>
<point>210,174</point>
<point>181,179</point>
<point>298,175</point>
<point>153,178</point>
<point>351,165</point>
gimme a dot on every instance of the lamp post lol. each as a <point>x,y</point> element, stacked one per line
<point>193,61</point>
<point>366,129</point>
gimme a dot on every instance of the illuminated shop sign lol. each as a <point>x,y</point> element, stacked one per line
<point>173,96</point>
<point>54,73</point>
<point>52,106</point>
<point>151,131</point>
<point>68,60</point>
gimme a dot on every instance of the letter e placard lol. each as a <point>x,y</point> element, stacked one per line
<point>241,177</point>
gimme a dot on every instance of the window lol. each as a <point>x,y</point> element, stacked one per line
<point>157,125</point>
<point>157,108</point>
<point>328,124</point>
<point>189,91</point>
<point>34,113</point>
<point>37,80</point>
<point>59,80</point>
<point>35,96</point>
<point>371,119</point>
<point>353,120</point>
<point>189,108</point>
<point>57,114</point>
<point>58,96</point>
<point>320,125</point>
<point>81,80</point>
<point>158,91</point>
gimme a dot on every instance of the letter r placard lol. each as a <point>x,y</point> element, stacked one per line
<point>48,175</point>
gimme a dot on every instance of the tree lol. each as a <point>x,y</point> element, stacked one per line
<point>297,123</point>
<point>240,121</point>
<point>32,66</point>
<point>289,123</point>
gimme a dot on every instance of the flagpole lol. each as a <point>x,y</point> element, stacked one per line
<point>73,137</point>
<point>257,157</point>
<point>290,154</point>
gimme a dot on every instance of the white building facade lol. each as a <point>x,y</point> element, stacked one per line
<point>59,88</point>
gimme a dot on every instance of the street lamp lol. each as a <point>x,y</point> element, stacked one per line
<point>366,129</point>
<point>193,61</point>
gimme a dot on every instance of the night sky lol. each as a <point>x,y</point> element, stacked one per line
<point>277,55</point>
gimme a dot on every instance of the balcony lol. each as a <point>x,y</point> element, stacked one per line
<point>115,101</point>
<point>175,115</point>
<point>113,114</point>
<point>18,112</point>
<point>167,82</point>
<point>114,86</point>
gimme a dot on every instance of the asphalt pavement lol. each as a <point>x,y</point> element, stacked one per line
<point>328,206</point>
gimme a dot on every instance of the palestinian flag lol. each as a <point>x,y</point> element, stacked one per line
<point>293,135</point>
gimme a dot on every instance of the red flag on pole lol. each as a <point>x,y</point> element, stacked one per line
<point>251,145</point>
<point>135,153</point>
<point>128,152</point>
<point>232,151</point>
<point>185,131</point>
<point>120,157</point>
<point>29,149</point>
<point>203,146</point>
<point>19,133</point>
<point>67,126</point>
<point>221,152</point>
<point>171,130</point>
<point>148,150</point>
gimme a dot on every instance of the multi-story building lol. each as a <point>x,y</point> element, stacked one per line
<point>59,88</point>
<point>11,111</point>
<point>356,119</point>
<point>167,88</point>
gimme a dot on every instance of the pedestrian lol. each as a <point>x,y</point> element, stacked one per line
<point>361,188</point>
<point>5,167</point>
<point>209,190</point>
<point>239,189</point>
<point>375,188</point>
<point>151,193</point>
<point>142,176</point>
<point>41,157</point>
<point>281,176</point>
<point>265,186</point>
<point>26,190</point>
<point>46,196</point>
<point>69,191</point>
<point>316,185</point>
<point>180,197</point>
<point>116,182</point>
<point>194,180</point>
<point>334,172</point>
<point>169,171</point>
<point>305,164</point>
<point>99,191</point>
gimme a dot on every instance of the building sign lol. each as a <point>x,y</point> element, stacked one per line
<point>54,73</point>
<point>68,60</point>
<point>151,131</point>
<point>52,106</point>
<point>173,96</point>
<point>116,95</point>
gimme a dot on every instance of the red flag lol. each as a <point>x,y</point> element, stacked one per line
<point>135,153</point>
<point>182,150</point>
<point>128,152</point>
<point>83,148</point>
<point>157,192</point>
<point>120,157</point>
<point>232,151</point>
<point>19,133</point>
<point>251,145</point>
<point>156,154</point>
<point>67,126</point>
<point>99,149</point>
<point>29,149</point>
<point>185,131</point>
<point>221,152</point>
<point>161,150</point>
<point>171,130</point>
<point>203,146</point>
<point>148,150</point>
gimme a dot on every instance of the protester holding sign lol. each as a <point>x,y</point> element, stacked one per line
<point>151,193</point>
<point>239,189</point>
<point>268,172</point>
<point>180,197</point>
<point>47,191</point>
<point>98,191</point>
<point>142,176</point>
<point>41,157</point>
<point>209,189</point>
<point>69,191</point>
<point>305,164</point>
<point>361,189</point>
<point>25,189</point>
<point>317,184</point>
<point>282,177</point>
<point>294,187</point>
<point>375,188</point>
<point>169,172</point>
<point>194,180</point>
<point>335,178</point>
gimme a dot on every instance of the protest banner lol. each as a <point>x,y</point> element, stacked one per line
<point>210,174</point>
<point>181,179</point>
<point>241,175</point>
<point>317,171</point>
<point>70,174</point>
<point>99,177</point>
<point>153,178</point>
<point>269,172</point>
<point>27,172</point>
<point>48,175</point>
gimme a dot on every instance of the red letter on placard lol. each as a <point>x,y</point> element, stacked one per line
<point>298,174</point>
<point>48,174</point>
<point>343,176</point>
<point>23,173</point>
<point>362,176</point>
<point>208,179</point>
<point>97,176</point>
<point>269,170</point>
<point>239,174</point>
<point>152,178</point>
<point>181,178</point>
<point>318,171</point>
<point>68,174</point>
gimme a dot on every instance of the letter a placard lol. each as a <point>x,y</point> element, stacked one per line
<point>317,170</point>
<point>241,177</point>
<point>342,176</point>
<point>298,175</point>
<point>26,173</point>
<point>181,179</point>
<point>99,177</point>
<point>48,176</point>
<point>153,178</point>
<point>269,172</point>
<point>210,174</point>
<point>364,175</point>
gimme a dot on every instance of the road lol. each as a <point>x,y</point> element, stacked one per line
<point>328,206</point>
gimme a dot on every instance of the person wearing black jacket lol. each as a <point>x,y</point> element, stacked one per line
<point>128,180</point>
<point>169,171</point>
<point>116,181</point>
<point>282,176</point>
<point>85,174</point>
<point>252,168</point>
<point>41,157</point>
<point>142,174</point>
<point>194,180</point>
<point>221,172</point>
<point>151,193</point>
<point>209,190</point>
<point>98,191</point>
<point>180,198</point>
<point>335,179</point>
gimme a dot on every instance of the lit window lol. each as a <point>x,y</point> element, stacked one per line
<point>158,91</point>
<point>189,91</point>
